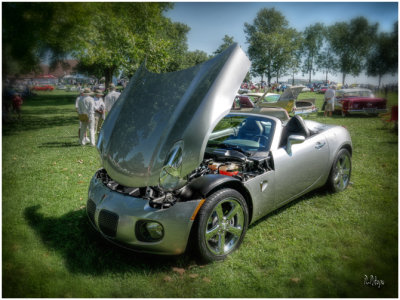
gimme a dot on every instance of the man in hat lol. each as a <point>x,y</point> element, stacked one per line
<point>329,98</point>
<point>99,110</point>
<point>111,98</point>
<point>86,116</point>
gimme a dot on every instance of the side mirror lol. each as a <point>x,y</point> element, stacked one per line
<point>293,140</point>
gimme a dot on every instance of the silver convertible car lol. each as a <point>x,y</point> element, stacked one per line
<point>179,167</point>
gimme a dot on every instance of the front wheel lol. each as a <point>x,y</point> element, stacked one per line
<point>339,178</point>
<point>222,224</point>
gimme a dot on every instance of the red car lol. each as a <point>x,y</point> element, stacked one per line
<point>321,90</point>
<point>46,87</point>
<point>242,101</point>
<point>359,101</point>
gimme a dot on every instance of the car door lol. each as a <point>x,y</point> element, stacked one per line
<point>300,169</point>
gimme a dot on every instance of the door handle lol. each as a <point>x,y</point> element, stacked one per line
<point>319,145</point>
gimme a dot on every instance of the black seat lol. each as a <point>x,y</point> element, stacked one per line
<point>250,129</point>
<point>295,126</point>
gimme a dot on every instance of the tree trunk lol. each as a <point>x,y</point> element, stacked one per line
<point>293,79</point>
<point>326,77</point>
<point>108,76</point>
<point>344,77</point>
<point>379,81</point>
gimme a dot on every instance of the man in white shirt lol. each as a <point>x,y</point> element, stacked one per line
<point>99,110</point>
<point>329,98</point>
<point>86,116</point>
<point>111,98</point>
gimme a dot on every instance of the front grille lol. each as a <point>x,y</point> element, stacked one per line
<point>108,222</point>
<point>91,209</point>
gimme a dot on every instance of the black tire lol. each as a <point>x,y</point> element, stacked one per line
<point>223,219</point>
<point>339,177</point>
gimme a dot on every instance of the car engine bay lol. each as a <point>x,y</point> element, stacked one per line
<point>226,162</point>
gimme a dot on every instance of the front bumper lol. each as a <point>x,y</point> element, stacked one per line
<point>366,111</point>
<point>305,111</point>
<point>115,215</point>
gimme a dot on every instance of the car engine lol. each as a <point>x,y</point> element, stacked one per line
<point>217,161</point>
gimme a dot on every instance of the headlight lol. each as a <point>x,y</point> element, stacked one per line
<point>170,175</point>
<point>149,231</point>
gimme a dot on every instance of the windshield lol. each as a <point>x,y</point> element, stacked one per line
<point>243,133</point>
<point>355,93</point>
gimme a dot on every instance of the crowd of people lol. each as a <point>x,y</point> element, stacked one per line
<point>92,111</point>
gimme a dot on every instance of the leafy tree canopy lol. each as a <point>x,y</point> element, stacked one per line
<point>271,41</point>
<point>350,43</point>
<point>226,42</point>
<point>313,40</point>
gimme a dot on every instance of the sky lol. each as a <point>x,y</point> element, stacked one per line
<point>211,21</point>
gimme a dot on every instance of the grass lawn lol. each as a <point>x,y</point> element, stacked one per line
<point>322,245</point>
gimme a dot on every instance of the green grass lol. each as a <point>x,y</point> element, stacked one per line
<point>321,245</point>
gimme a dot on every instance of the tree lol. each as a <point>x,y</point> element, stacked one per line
<point>383,58</point>
<point>312,43</point>
<point>177,34</point>
<point>296,54</point>
<point>226,42</point>
<point>326,62</point>
<point>270,43</point>
<point>104,36</point>
<point>32,31</point>
<point>122,35</point>
<point>350,43</point>
<point>193,58</point>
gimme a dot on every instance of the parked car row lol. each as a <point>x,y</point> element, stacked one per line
<point>287,100</point>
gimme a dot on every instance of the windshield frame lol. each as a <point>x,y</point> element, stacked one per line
<point>244,149</point>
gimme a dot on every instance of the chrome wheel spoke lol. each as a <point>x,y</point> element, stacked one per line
<point>211,233</point>
<point>236,231</point>
<point>236,209</point>
<point>221,243</point>
<point>219,213</point>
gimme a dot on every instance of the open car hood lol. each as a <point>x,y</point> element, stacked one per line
<point>167,118</point>
<point>291,93</point>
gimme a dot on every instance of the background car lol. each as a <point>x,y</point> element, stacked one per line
<point>46,87</point>
<point>322,89</point>
<point>359,101</point>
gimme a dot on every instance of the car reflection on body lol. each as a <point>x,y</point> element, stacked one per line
<point>184,167</point>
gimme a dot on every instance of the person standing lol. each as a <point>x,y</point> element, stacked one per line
<point>329,98</point>
<point>86,116</point>
<point>111,98</point>
<point>16,103</point>
<point>76,107</point>
<point>99,109</point>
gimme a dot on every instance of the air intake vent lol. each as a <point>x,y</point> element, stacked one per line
<point>108,222</point>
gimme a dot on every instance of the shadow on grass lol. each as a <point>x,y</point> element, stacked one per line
<point>50,100</point>
<point>60,144</point>
<point>32,123</point>
<point>86,252</point>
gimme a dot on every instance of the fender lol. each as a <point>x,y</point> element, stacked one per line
<point>201,186</point>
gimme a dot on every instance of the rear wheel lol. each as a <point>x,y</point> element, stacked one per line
<point>222,224</point>
<point>339,178</point>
